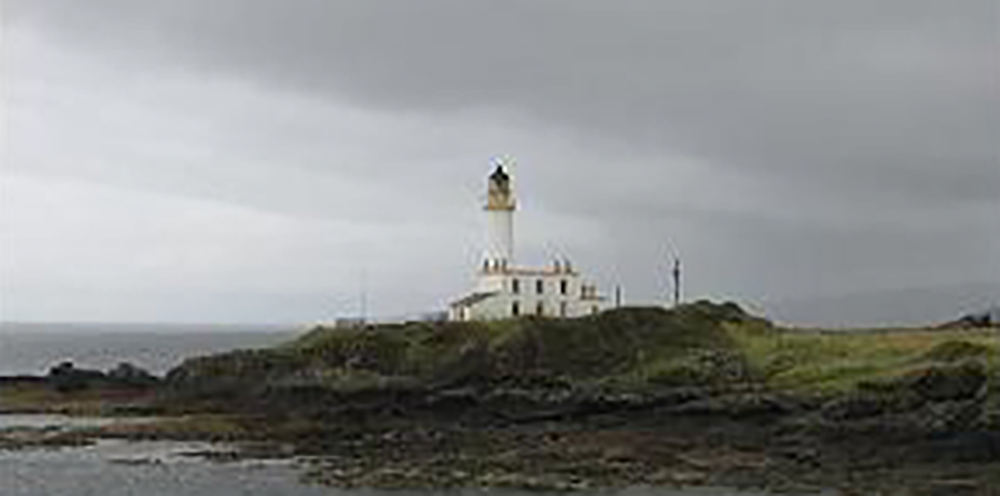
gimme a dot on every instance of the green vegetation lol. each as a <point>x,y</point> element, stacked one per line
<point>633,396</point>
<point>201,427</point>
<point>632,349</point>
<point>716,347</point>
<point>41,397</point>
<point>621,349</point>
<point>827,362</point>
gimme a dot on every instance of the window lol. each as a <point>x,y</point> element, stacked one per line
<point>540,286</point>
<point>562,308</point>
<point>593,309</point>
<point>515,309</point>
<point>563,287</point>
<point>540,309</point>
<point>515,286</point>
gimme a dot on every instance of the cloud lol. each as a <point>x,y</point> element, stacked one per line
<point>783,147</point>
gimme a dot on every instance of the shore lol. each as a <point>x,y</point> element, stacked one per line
<point>746,441</point>
<point>715,419</point>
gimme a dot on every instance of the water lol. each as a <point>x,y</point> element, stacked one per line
<point>169,468</point>
<point>160,468</point>
<point>63,422</point>
<point>34,348</point>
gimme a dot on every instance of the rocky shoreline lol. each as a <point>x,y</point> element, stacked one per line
<point>677,438</point>
<point>716,420</point>
<point>753,440</point>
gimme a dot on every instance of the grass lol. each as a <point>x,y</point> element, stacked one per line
<point>702,344</point>
<point>621,347</point>
<point>37,398</point>
<point>825,362</point>
<point>204,426</point>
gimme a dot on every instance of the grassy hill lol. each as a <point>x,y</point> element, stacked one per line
<point>712,346</point>
<point>623,348</point>
<point>819,361</point>
<point>700,394</point>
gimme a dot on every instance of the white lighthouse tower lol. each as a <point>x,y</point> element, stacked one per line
<point>505,290</point>
<point>500,207</point>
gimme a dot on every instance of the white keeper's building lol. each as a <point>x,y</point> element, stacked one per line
<point>505,290</point>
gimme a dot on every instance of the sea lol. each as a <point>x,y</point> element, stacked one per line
<point>33,348</point>
<point>166,468</point>
<point>115,467</point>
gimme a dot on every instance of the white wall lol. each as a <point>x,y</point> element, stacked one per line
<point>500,306</point>
<point>500,236</point>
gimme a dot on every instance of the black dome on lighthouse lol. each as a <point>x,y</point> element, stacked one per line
<point>499,175</point>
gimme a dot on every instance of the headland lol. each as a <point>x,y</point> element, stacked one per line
<point>703,394</point>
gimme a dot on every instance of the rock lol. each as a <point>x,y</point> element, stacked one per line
<point>737,406</point>
<point>800,455</point>
<point>953,415</point>
<point>127,374</point>
<point>532,482</point>
<point>960,381</point>
<point>865,403</point>
<point>960,447</point>
<point>66,377</point>
<point>953,487</point>
<point>136,461</point>
<point>965,380</point>
<point>989,317</point>
<point>688,477</point>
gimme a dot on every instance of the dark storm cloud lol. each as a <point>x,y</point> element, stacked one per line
<point>892,96</point>
<point>786,147</point>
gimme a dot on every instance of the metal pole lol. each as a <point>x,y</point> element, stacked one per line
<point>677,281</point>
<point>364,296</point>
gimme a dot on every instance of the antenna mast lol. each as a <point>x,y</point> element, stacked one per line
<point>364,296</point>
<point>677,280</point>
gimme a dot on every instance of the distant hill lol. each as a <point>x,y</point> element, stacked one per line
<point>988,317</point>
<point>903,307</point>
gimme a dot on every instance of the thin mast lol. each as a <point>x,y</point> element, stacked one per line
<point>677,280</point>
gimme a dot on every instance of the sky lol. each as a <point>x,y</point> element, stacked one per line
<point>820,162</point>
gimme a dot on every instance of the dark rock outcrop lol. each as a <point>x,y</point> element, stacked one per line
<point>66,377</point>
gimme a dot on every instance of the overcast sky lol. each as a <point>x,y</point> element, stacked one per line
<point>263,160</point>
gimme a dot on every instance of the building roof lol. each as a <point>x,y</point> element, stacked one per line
<point>533,271</point>
<point>472,299</point>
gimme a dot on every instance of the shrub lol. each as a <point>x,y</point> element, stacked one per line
<point>957,350</point>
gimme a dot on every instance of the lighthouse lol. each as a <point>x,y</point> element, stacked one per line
<point>505,290</point>
<point>500,207</point>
